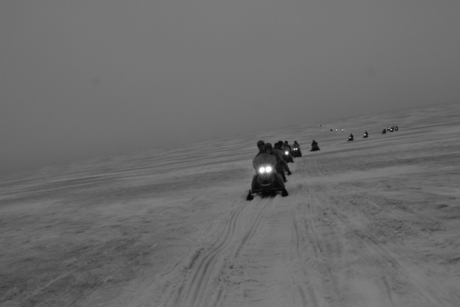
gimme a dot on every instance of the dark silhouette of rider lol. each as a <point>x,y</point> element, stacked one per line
<point>281,165</point>
<point>261,147</point>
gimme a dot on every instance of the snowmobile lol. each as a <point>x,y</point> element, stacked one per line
<point>396,128</point>
<point>287,155</point>
<point>350,138</point>
<point>296,152</point>
<point>314,146</point>
<point>384,131</point>
<point>266,181</point>
<point>366,135</point>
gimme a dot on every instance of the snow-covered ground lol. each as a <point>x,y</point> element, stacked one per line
<point>373,222</point>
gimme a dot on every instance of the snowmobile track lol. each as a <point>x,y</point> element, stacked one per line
<point>206,265</point>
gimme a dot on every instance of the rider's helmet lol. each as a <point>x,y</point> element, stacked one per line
<point>260,143</point>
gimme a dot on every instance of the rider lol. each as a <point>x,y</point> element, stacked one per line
<point>287,147</point>
<point>296,145</point>
<point>286,144</point>
<point>281,165</point>
<point>261,146</point>
<point>279,178</point>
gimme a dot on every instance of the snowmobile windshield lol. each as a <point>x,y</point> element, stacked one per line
<point>264,160</point>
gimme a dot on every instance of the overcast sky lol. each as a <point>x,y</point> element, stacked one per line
<point>87,78</point>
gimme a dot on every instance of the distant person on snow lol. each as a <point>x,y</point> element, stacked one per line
<point>384,131</point>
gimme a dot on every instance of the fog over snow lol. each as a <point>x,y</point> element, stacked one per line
<point>86,79</point>
<point>373,222</point>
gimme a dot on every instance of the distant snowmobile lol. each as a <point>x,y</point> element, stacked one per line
<point>350,138</point>
<point>296,152</point>
<point>396,128</point>
<point>366,135</point>
<point>287,152</point>
<point>384,131</point>
<point>266,181</point>
<point>314,146</point>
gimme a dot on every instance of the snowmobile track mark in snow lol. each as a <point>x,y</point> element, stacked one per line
<point>198,284</point>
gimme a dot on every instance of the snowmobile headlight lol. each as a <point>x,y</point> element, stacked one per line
<point>286,153</point>
<point>265,169</point>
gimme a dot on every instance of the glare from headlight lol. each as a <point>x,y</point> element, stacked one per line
<point>286,153</point>
<point>265,169</point>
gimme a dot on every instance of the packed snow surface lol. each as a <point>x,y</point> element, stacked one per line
<point>373,222</point>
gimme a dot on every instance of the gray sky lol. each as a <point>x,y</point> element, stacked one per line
<point>81,79</point>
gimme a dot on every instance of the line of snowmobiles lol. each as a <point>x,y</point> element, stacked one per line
<point>390,129</point>
<point>270,165</point>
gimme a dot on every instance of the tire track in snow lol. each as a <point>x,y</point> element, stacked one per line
<point>198,284</point>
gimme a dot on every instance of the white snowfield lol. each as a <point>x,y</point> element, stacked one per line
<point>374,222</point>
